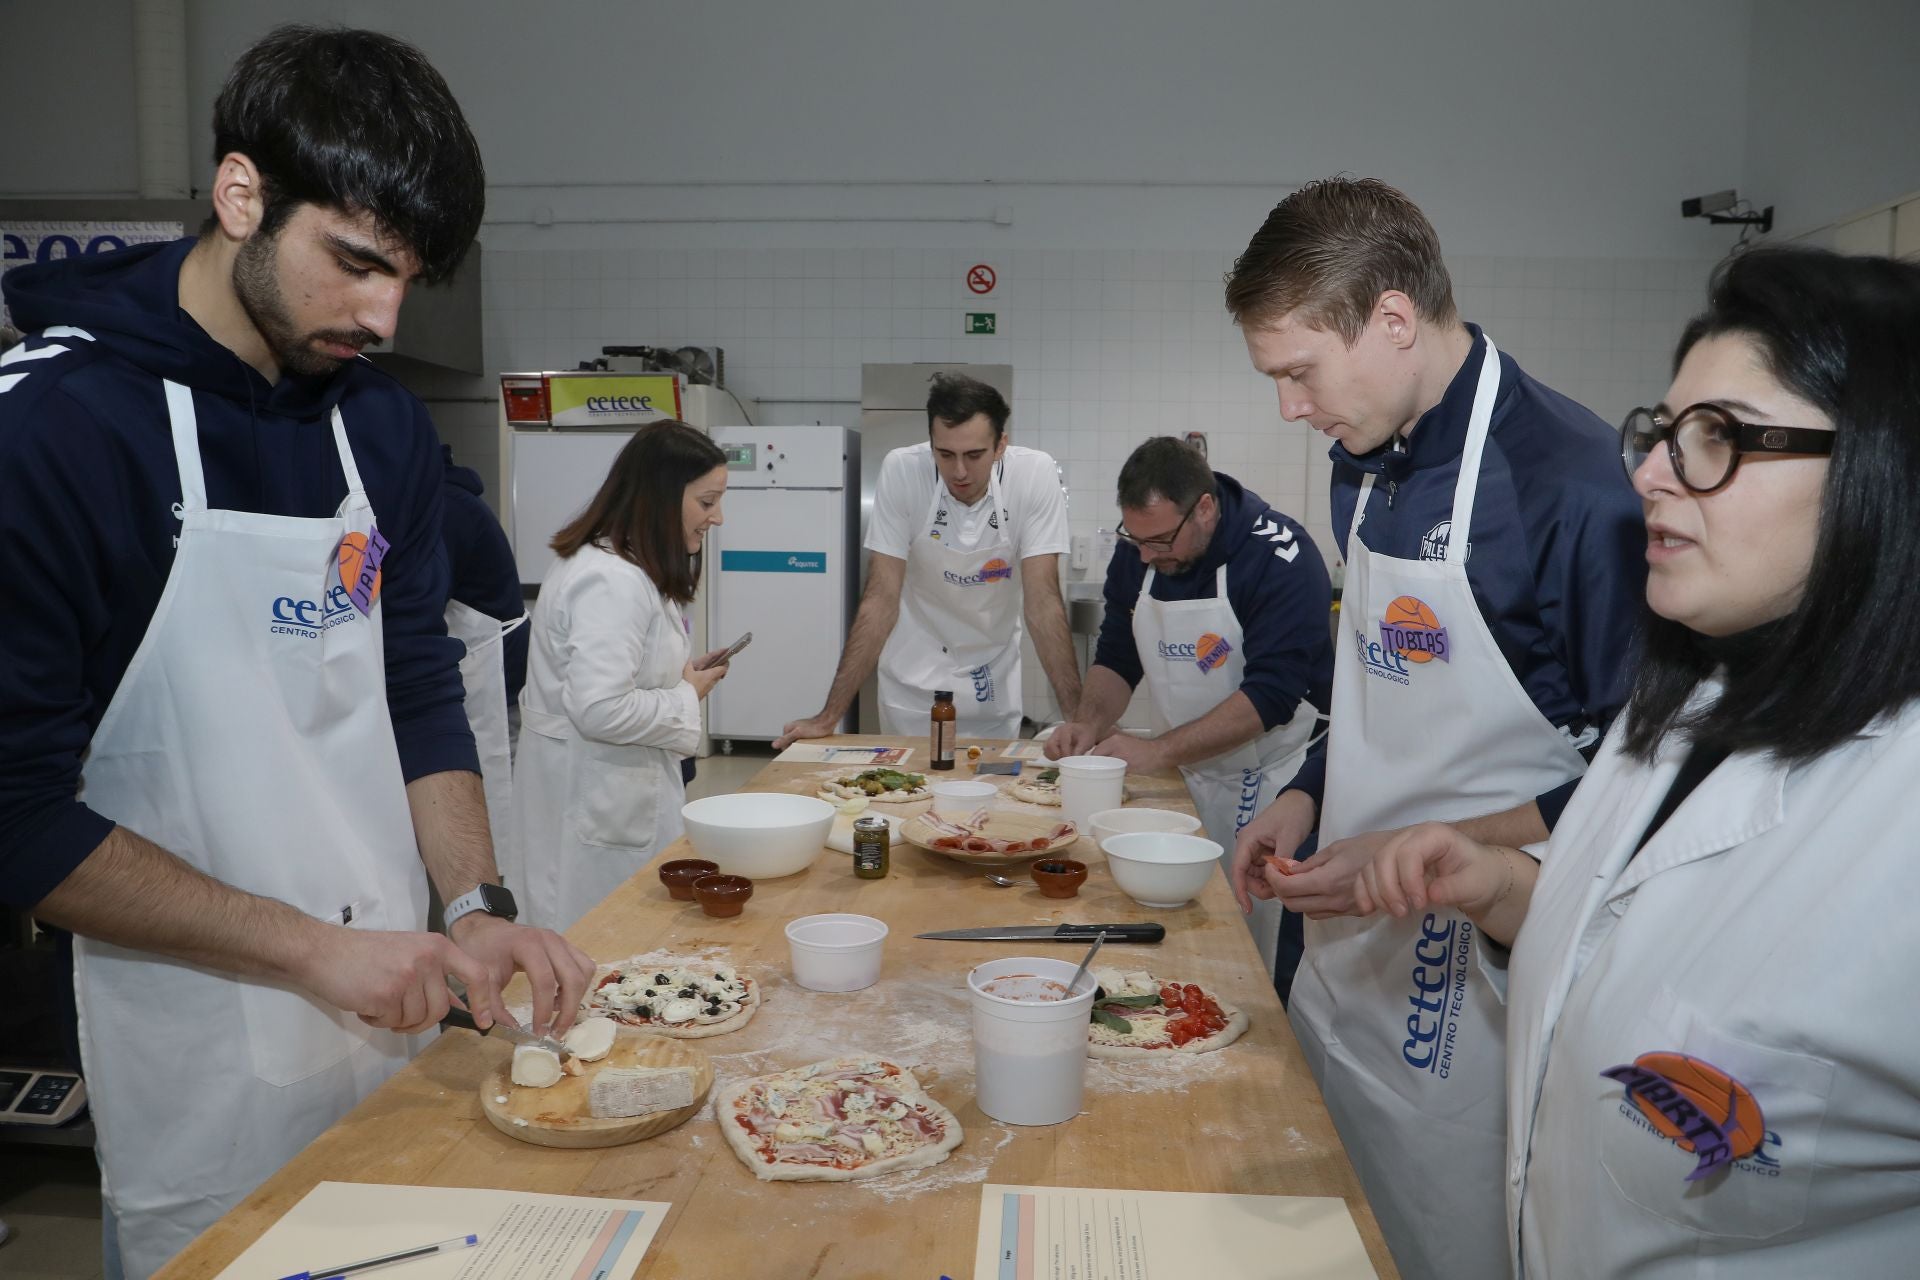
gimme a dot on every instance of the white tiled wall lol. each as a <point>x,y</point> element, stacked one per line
<point>1108,347</point>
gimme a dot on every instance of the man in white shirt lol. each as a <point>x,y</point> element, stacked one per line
<point>952,518</point>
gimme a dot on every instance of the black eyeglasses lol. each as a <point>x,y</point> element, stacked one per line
<point>1705,443</point>
<point>1158,544</point>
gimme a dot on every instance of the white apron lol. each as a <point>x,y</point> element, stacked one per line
<point>250,737</point>
<point>590,815</point>
<point>959,629</point>
<point>483,672</point>
<point>1193,653</point>
<point>1403,1030</point>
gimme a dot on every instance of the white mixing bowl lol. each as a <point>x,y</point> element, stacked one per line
<point>1119,822</point>
<point>1161,868</point>
<point>759,835</point>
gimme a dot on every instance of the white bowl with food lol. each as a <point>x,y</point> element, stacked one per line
<point>759,834</point>
<point>1120,822</point>
<point>1161,868</point>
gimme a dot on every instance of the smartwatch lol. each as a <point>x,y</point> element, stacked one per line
<point>493,899</point>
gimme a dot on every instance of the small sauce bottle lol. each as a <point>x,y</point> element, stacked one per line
<point>941,745</point>
<point>872,848</point>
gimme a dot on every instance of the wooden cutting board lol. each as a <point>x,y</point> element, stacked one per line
<point>559,1116</point>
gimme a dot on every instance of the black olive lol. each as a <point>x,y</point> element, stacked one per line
<point>645,1010</point>
<point>660,979</point>
<point>687,993</point>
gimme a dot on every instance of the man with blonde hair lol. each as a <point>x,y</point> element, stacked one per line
<point>1494,556</point>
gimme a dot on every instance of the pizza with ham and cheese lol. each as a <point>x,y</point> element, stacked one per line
<point>684,999</point>
<point>1142,1018</point>
<point>836,1121</point>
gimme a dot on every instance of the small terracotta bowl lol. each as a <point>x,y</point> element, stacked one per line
<point>680,874</point>
<point>722,895</point>
<point>1059,877</point>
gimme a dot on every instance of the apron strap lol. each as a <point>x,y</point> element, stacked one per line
<point>1477,423</point>
<point>186,446</point>
<point>346,455</point>
<point>1220,585</point>
<point>511,627</point>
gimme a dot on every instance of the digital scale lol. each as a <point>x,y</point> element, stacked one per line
<point>32,1096</point>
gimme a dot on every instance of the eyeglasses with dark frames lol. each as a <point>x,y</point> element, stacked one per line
<point>1705,443</point>
<point>1158,544</point>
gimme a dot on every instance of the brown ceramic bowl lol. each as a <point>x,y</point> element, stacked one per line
<point>1058,877</point>
<point>722,895</point>
<point>680,874</point>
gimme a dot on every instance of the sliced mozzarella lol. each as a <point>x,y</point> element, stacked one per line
<point>590,1039</point>
<point>535,1067</point>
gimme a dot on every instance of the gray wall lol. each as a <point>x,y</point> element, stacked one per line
<point>1833,116</point>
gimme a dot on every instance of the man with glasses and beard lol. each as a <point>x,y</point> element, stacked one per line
<point>1220,604</point>
<point>231,725</point>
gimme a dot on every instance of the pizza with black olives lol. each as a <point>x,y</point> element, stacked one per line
<point>685,999</point>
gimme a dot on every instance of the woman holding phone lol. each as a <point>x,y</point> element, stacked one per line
<point>612,701</point>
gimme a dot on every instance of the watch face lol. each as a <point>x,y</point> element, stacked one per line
<point>496,900</point>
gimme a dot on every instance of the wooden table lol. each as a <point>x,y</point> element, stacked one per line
<point>1247,1119</point>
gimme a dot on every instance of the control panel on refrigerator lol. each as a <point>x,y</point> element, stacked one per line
<point>801,459</point>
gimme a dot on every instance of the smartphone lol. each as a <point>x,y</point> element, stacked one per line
<point>731,649</point>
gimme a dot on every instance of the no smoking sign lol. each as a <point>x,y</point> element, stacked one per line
<point>982,278</point>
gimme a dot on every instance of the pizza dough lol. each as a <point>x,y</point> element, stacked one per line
<point>684,999</point>
<point>1140,1000</point>
<point>836,1121</point>
<point>1039,789</point>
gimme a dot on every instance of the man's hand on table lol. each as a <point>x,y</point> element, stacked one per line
<point>821,726</point>
<point>557,971</point>
<point>1070,739</point>
<point>1143,755</point>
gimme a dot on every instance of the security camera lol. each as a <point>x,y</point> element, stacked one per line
<point>1726,208</point>
<point>1718,202</point>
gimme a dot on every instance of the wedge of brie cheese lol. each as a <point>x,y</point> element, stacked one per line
<point>621,1092</point>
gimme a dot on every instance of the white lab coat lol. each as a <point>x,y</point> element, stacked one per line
<point>1768,930</point>
<point>605,719</point>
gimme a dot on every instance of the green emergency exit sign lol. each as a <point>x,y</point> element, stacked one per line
<point>981,322</point>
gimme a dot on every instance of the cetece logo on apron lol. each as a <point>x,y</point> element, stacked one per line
<point>1411,636</point>
<point>1441,956</point>
<point>994,570</point>
<point>1697,1107</point>
<point>1206,653</point>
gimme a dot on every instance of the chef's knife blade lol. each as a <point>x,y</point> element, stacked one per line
<point>515,1035</point>
<point>1137,933</point>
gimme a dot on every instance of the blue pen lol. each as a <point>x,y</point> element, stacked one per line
<point>385,1259</point>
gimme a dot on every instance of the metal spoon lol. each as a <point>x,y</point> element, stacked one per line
<point>1091,952</point>
<point>1001,880</point>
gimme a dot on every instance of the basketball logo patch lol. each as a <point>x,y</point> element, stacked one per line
<point>359,556</point>
<point>1696,1105</point>
<point>1210,651</point>
<point>1411,629</point>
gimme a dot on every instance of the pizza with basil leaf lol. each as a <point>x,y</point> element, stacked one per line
<point>1139,1017</point>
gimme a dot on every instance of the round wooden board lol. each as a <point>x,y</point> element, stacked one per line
<point>558,1117</point>
<point>1004,824</point>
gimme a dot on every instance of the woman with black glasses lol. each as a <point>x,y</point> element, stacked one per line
<point>1713,1051</point>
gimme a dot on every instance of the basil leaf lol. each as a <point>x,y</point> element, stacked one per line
<point>1133,1002</point>
<point>1113,1020</point>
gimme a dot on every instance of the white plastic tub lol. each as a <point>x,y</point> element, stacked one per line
<point>960,799</point>
<point>1089,784</point>
<point>836,952</point>
<point>1029,1038</point>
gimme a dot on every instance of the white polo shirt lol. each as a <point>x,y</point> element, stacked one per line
<point>1035,505</point>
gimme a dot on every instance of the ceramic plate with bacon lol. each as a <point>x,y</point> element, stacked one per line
<point>989,837</point>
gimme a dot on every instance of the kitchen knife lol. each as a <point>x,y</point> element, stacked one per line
<point>516,1035</point>
<point>1054,933</point>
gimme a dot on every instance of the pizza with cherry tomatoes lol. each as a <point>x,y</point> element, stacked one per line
<point>1138,1016</point>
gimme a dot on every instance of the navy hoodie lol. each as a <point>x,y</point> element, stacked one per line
<point>481,561</point>
<point>88,483</point>
<point>1556,558</point>
<point>1277,585</point>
